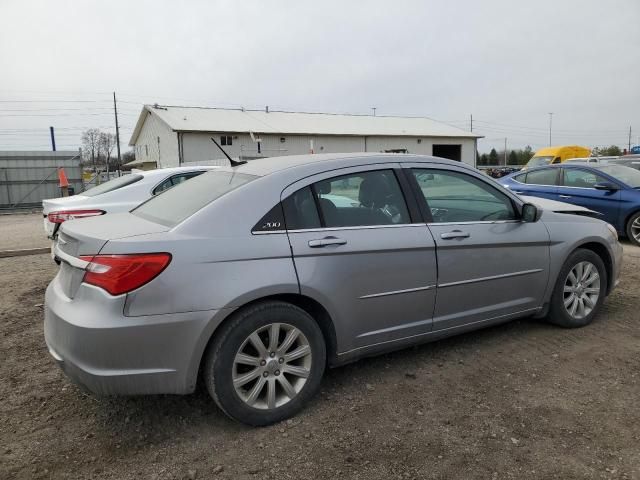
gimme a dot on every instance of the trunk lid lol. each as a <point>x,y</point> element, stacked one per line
<point>88,236</point>
<point>62,203</point>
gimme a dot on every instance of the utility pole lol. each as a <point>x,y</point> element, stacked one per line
<point>629,149</point>
<point>471,123</point>
<point>53,138</point>
<point>505,152</point>
<point>115,111</point>
<point>374,110</point>
<point>550,123</point>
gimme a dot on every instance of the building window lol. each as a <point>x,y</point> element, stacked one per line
<point>282,139</point>
<point>226,140</point>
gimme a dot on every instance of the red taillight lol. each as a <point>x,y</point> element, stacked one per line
<point>64,215</point>
<point>119,274</point>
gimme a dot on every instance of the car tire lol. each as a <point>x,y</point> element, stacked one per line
<point>576,292</point>
<point>236,343</point>
<point>633,229</point>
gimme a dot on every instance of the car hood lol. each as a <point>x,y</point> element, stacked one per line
<point>558,207</point>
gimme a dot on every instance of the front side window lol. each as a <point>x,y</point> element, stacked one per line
<point>542,177</point>
<point>455,197</point>
<point>581,178</point>
<point>625,174</point>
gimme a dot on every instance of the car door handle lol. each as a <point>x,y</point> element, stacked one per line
<point>325,242</point>
<point>517,191</point>
<point>564,196</point>
<point>454,234</point>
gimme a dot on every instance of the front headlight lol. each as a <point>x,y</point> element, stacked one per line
<point>613,230</point>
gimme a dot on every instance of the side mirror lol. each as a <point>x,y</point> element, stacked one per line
<point>606,186</point>
<point>530,213</point>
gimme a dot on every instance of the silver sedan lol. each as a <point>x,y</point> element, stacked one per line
<point>257,277</point>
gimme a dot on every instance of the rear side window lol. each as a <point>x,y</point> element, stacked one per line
<point>112,185</point>
<point>174,180</point>
<point>354,200</point>
<point>542,177</point>
<point>178,203</point>
<point>300,210</point>
<point>362,199</point>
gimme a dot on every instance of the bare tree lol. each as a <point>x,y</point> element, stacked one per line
<point>107,142</point>
<point>91,145</point>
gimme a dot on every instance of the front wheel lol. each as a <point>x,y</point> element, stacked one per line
<point>633,229</point>
<point>265,363</point>
<point>579,291</point>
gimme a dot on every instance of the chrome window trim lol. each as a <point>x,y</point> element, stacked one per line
<point>333,229</point>
<point>370,227</point>
<point>478,222</point>
<point>578,188</point>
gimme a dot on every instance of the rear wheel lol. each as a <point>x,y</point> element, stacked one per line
<point>265,363</point>
<point>579,290</point>
<point>633,228</point>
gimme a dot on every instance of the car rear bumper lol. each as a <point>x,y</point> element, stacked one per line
<point>108,353</point>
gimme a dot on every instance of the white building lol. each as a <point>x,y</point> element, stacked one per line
<point>170,136</point>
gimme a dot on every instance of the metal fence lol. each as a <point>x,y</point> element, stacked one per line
<point>27,178</point>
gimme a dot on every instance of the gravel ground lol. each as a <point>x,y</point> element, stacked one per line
<point>22,230</point>
<point>523,400</point>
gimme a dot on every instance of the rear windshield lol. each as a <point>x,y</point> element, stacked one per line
<point>112,185</point>
<point>183,200</point>
<point>539,161</point>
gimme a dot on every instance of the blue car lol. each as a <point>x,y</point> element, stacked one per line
<point>610,189</point>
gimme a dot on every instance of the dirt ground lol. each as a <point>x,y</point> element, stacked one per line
<point>524,400</point>
<point>22,230</point>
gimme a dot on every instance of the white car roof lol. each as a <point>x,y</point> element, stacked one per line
<point>161,172</point>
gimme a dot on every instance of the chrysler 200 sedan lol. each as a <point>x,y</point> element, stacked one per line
<point>251,277</point>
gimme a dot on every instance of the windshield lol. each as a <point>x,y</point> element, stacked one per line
<point>182,201</point>
<point>626,175</point>
<point>539,161</point>
<point>112,185</point>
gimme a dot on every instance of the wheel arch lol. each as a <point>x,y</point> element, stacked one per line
<point>316,310</point>
<point>603,252</point>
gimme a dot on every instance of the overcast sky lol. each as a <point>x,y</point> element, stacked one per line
<point>509,63</point>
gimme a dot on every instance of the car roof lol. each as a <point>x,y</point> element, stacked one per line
<point>266,166</point>
<point>161,172</point>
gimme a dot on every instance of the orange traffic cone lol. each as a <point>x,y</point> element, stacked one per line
<point>63,182</point>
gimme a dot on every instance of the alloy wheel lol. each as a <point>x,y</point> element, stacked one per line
<point>272,366</point>
<point>581,289</point>
<point>635,229</point>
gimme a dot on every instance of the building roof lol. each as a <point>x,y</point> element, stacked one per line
<point>39,153</point>
<point>199,119</point>
<point>270,165</point>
